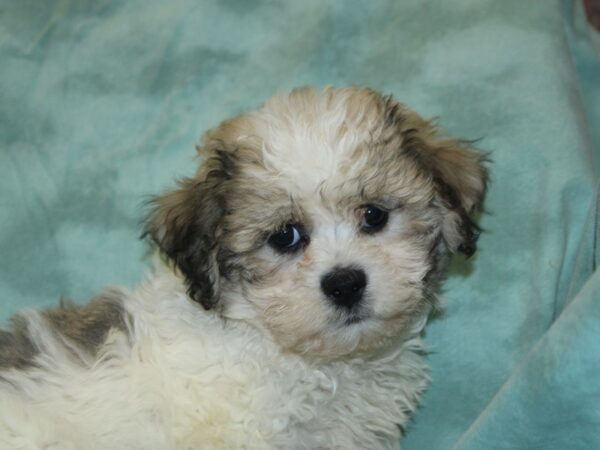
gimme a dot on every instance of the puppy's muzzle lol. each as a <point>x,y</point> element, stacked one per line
<point>344,286</point>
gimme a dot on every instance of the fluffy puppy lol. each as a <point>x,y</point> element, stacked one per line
<point>305,253</point>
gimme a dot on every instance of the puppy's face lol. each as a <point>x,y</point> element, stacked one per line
<point>324,217</point>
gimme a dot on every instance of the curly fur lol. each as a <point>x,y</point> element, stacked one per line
<point>233,344</point>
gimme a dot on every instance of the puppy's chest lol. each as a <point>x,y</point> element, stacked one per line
<point>286,403</point>
<point>230,387</point>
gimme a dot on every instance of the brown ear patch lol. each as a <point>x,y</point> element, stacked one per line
<point>459,169</point>
<point>185,225</point>
<point>460,178</point>
<point>459,174</point>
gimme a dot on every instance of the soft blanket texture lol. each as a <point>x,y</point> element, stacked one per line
<point>102,101</point>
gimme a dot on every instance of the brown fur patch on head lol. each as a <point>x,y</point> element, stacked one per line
<point>191,225</point>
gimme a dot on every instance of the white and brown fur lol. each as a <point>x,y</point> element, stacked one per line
<point>234,345</point>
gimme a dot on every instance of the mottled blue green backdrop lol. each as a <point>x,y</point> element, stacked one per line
<point>102,101</point>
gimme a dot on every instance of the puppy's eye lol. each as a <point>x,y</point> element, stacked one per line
<point>288,239</point>
<point>373,219</point>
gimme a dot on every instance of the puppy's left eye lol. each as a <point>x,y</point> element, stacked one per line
<point>373,219</point>
<point>289,239</point>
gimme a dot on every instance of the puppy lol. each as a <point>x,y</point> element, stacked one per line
<point>304,259</point>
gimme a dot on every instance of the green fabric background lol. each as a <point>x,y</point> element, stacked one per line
<point>102,101</point>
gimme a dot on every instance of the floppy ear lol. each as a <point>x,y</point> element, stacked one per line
<point>460,179</point>
<point>459,176</point>
<point>185,225</point>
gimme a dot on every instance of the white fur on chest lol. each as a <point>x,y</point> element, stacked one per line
<point>185,379</point>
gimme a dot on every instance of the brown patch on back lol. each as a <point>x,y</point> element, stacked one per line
<point>16,349</point>
<point>88,325</point>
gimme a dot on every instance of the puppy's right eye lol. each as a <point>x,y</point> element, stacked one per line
<point>289,239</point>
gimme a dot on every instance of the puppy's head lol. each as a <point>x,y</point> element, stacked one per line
<point>324,218</point>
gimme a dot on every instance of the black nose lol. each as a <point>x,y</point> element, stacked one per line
<point>344,285</point>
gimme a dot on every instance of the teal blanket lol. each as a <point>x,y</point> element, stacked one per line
<point>102,101</point>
